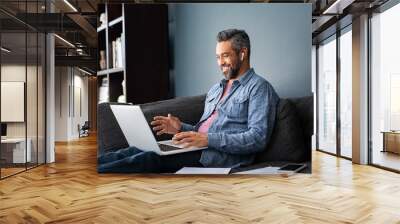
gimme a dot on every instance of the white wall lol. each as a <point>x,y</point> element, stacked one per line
<point>62,81</point>
<point>33,126</point>
<point>70,84</point>
<point>80,109</point>
<point>14,72</point>
<point>17,72</point>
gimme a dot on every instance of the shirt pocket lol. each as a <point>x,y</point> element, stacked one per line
<point>211,98</point>
<point>239,107</point>
<point>210,103</point>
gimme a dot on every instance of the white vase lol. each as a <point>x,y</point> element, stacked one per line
<point>102,60</point>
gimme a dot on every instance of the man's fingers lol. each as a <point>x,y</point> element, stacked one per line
<point>181,135</point>
<point>178,136</point>
<point>159,127</point>
<point>183,141</point>
<point>160,118</point>
<point>164,117</point>
<point>157,122</point>
<point>172,117</point>
<point>181,144</point>
<point>189,144</point>
<point>160,132</point>
<point>188,139</point>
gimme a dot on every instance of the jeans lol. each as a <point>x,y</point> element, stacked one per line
<point>134,160</point>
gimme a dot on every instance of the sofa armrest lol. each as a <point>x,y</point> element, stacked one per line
<point>305,109</point>
<point>187,109</point>
<point>109,134</point>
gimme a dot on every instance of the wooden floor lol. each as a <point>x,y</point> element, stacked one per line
<point>5,172</point>
<point>10,171</point>
<point>386,159</point>
<point>71,191</point>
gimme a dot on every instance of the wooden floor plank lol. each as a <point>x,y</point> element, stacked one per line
<point>71,191</point>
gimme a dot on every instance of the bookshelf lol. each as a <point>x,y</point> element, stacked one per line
<point>133,41</point>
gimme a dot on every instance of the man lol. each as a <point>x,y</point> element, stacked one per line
<point>237,122</point>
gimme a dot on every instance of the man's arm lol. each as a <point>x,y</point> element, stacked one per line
<point>261,116</point>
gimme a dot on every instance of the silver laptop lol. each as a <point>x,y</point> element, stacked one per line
<point>138,133</point>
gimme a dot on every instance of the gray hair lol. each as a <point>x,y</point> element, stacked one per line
<point>238,38</point>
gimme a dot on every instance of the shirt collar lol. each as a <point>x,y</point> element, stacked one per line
<point>242,80</point>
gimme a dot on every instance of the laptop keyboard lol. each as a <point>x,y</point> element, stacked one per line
<point>166,148</point>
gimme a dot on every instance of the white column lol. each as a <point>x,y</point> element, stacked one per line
<point>360,90</point>
<point>50,94</point>
<point>314,90</point>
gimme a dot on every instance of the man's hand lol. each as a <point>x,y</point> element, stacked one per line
<point>191,139</point>
<point>169,125</point>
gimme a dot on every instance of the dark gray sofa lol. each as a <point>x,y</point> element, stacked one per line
<point>290,140</point>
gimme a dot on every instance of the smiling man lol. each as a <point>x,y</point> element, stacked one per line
<point>239,112</point>
<point>239,115</point>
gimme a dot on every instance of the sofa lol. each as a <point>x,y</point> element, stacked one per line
<point>290,141</point>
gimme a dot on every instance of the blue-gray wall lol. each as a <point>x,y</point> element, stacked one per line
<point>280,36</point>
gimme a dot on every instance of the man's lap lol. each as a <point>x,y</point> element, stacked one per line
<point>133,160</point>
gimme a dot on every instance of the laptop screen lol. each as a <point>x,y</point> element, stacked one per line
<point>134,126</point>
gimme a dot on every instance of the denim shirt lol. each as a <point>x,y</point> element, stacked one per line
<point>244,123</point>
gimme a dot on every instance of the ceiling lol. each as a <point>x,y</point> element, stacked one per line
<point>77,24</point>
<point>330,15</point>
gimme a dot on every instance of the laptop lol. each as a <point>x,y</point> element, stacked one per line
<point>138,133</point>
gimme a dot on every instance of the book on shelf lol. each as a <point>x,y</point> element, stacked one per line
<point>110,55</point>
<point>113,45</point>
<point>116,53</point>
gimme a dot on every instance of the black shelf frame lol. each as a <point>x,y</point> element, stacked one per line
<point>146,77</point>
<point>113,27</point>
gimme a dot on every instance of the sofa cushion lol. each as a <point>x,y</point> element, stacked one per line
<point>287,141</point>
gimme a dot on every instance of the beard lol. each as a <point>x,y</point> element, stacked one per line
<point>233,70</point>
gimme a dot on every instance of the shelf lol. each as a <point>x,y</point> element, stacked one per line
<point>153,46</point>
<point>115,70</point>
<point>115,21</point>
<point>102,72</point>
<point>101,28</point>
<point>110,71</point>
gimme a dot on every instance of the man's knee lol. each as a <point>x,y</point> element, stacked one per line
<point>150,155</point>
